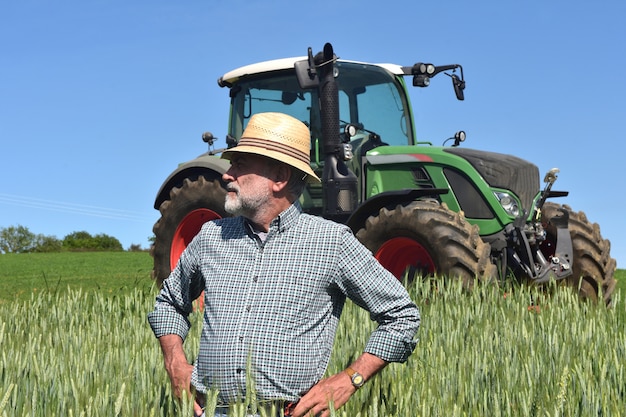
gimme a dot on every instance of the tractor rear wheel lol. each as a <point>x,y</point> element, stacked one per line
<point>182,216</point>
<point>428,238</point>
<point>592,266</point>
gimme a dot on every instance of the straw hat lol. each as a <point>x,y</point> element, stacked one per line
<point>280,137</point>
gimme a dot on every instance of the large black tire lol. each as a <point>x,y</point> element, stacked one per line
<point>182,216</point>
<point>592,265</point>
<point>428,238</point>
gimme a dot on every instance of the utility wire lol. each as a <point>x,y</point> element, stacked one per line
<point>64,207</point>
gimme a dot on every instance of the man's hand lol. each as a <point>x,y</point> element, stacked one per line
<point>335,390</point>
<point>177,367</point>
<point>180,376</point>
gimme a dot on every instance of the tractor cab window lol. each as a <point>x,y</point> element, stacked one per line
<point>373,100</point>
<point>369,97</point>
<point>278,93</point>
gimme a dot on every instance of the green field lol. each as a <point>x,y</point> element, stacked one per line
<point>26,273</point>
<point>75,342</point>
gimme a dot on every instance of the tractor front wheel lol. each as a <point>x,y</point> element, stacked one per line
<point>428,238</point>
<point>592,266</point>
<point>182,216</point>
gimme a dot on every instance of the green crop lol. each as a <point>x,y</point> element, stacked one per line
<point>515,351</point>
<point>22,274</point>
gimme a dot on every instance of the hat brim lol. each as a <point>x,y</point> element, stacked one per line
<point>278,156</point>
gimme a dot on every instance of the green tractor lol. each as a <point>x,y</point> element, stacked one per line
<point>421,209</point>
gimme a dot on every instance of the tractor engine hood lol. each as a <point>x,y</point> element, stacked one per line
<point>504,171</point>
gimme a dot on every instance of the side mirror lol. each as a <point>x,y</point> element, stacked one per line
<point>288,97</point>
<point>459,86</point>
<point>306,72</point>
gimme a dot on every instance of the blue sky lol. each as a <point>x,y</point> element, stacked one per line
<point>100,100</point>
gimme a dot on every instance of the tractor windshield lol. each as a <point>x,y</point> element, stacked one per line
<point>369,96</point>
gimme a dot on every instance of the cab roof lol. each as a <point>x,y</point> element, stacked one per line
<point>282,64</point>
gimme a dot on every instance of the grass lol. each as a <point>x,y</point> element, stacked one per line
<point>26,273</point>
<point>78,348</point>
<point>620,276</point>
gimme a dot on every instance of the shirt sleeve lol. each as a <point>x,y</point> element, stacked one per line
<point>174,302</point>
<point>375,289</point>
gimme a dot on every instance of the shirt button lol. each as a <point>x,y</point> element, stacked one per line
<point>241,338</point>
<point>239,370</point>
<point>248,308</point>
<point>255,279</point>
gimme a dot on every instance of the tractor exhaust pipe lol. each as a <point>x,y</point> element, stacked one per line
<point>339,184</point>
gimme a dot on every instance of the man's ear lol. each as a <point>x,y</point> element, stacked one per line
<point>281,177</point>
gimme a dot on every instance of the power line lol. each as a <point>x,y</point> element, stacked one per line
<point>65,207</point>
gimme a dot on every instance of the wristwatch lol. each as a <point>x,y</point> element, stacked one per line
<point>357,378</point>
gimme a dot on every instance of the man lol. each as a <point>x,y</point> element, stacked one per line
<point>275,281</point>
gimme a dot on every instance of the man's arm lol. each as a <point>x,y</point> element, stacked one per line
<point>375,289</point>
<point>177,367</point>
<point>337,388</point>
<point>366,282</point>
<point>169,319</point>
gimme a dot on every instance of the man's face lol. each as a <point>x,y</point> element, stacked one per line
<point>248,184</point>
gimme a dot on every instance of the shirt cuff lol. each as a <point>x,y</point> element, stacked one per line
<point>166,321</point>
<point>389,347</point>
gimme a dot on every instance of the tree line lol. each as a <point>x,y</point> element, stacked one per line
<point>18,239</point>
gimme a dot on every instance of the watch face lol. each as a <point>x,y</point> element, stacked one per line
<point>357,380</point>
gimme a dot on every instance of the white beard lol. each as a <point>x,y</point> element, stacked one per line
<point>247,205</point>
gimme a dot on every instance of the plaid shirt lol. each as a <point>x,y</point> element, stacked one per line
<point>277,303</point>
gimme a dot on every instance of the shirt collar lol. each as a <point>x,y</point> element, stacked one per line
<point>287,218</point>
<point>283,221</point>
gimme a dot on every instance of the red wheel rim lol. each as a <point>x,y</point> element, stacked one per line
<point>400,253</point>
<point>187,229</point>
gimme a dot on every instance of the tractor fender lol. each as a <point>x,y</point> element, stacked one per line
<point>210,166</point>
<point>372,205</point>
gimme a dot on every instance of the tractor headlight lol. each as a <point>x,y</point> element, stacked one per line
<point>508,203</point>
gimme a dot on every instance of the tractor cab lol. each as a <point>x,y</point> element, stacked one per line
<point>373,109</point>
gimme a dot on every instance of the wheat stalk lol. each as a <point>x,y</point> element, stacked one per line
<point>5,399</point>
